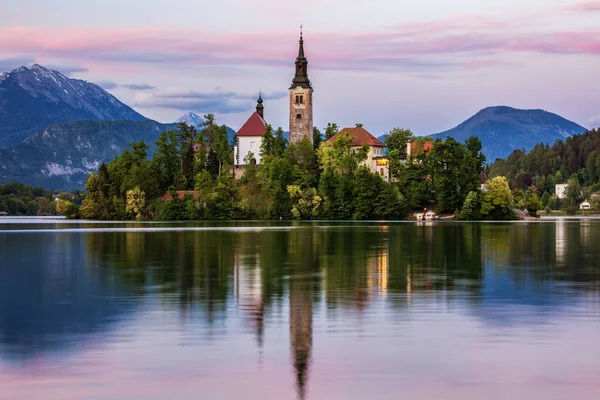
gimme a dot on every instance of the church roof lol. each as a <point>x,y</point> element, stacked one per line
<point>255,126</point>
<point>360,135</point>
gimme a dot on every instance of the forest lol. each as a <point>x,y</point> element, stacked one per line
<point>534,174</point>
<point>18,199</point>
<point>304,180</point>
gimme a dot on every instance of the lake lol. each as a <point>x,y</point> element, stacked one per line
<point>285,310</point>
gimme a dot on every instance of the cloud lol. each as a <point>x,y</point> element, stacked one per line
<point>453,43</point>
<point>9,64</point>
<point>586,6</point>
<point>65,69</point>
<point>595,120</point>
<point>139,86</point>
<point>211,101</point>
<point>107,85</point>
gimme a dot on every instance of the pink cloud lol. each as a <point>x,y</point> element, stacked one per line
<point>585,6</point>
<point>463,41</point>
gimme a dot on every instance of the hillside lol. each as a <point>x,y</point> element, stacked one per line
<point>32,99</point>
<point>502,130</point>
<point>61,156</point>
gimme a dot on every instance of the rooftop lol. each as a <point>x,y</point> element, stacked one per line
<point>255,126</point>
<point>360,135</point>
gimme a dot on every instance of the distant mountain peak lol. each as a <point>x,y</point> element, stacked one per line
<point>31,99</point>
<point>503,129</point>
<point>191,119</point>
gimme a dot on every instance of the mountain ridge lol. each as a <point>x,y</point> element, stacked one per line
<point>503,129</point>
<point>63,154</point>
<point>34,98</point>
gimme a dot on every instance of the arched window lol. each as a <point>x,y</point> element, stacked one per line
<point>299,116</point>
<point>297,99</point>
<point>301,99</point>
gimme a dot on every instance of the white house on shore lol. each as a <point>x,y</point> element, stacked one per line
<point>249,137</point>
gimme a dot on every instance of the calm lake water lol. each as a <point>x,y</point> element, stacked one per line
<point>323,310</point>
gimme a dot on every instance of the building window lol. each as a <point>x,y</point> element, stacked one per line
<point>297,99</point>
<point>299,116</point>
<point>381,171</point>
<point>301,99</point>
<point>252,145</point>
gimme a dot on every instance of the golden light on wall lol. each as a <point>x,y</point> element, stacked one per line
<point>382,161</point>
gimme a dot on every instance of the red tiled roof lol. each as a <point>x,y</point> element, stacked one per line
<point>427,146</point>
<point>255,126</point>
<point>360,135</point>
<point>181,195</point>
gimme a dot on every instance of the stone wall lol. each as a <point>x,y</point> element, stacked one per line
<point>301,114</point>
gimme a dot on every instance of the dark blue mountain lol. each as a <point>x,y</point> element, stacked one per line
<point>504,129</point>
<point>34,98</point>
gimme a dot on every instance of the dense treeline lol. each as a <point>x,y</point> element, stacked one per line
<point>574,161</point>
<point>19,199</point>
<point>302,180</point>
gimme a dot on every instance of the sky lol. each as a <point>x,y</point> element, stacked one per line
<point>424,65</point>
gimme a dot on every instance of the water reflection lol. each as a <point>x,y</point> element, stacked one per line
<point>57,290</point>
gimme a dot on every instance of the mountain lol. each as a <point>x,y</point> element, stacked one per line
<point>191,119</point>
<point>197,121</point>
<point>504,129</point>
<point>62,155</point>
<point>32,99</point>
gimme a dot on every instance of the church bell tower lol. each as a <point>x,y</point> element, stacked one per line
<point>301,105</point>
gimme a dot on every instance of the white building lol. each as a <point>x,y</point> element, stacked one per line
<point>561,190</point>
<point>249,137</point>
<point>585,205</point>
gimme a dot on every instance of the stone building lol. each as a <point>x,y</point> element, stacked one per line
<point>301,101</point>
<point>376,160</point>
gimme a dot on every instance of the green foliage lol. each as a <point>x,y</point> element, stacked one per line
<point>267,143</point>
<point>136,203</point>
<point>471,209</point>
<point>454,171</point>
<point>306,202</point>
<point>332,129</point>
<point>67,208</point>
<point>577,157</point>
<point>533,204</point>
<point>19,199</point>
<point>497,201</point>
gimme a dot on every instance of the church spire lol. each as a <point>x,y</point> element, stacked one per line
<point>260,109</point>
<point>301,47</point>
<point>301,76</point>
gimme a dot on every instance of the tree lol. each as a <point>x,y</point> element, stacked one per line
<point>332,129</point>
<point>306,203</point>
<point>497,200</point>
<point>67,208</point>
<point>471,209</point>
<point>222,148</point>
<point>280,143</point>
<point>573,192</point>
<point>533,204</point>
<point>136,203</point>
<point>397,139</point>
<point>317,138</point>
<point>267,143</point>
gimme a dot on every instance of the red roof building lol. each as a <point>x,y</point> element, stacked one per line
<point>360,135</point>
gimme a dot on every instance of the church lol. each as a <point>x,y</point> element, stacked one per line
<point>248,138</point>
